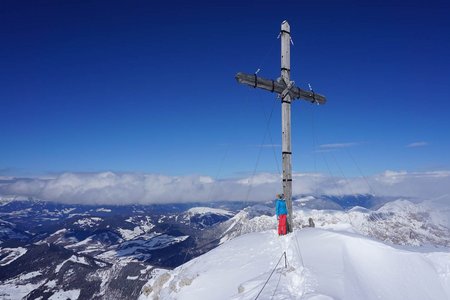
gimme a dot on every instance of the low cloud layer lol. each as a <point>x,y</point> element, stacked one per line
<point>128,188</point>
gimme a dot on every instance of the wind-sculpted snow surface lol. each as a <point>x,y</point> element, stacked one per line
<point>321,264</point>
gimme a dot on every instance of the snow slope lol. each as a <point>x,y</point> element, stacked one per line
<point>329,265</point>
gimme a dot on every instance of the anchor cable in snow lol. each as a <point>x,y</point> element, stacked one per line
<point>276,288</point>
<point>285,265</point>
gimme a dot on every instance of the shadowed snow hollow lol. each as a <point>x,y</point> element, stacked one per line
<point>330,265</point>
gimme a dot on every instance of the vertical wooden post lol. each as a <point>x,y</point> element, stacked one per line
<point>286,120</point>
<point>288,92</point>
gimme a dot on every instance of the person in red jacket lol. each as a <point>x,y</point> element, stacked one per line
<point>281,212</point>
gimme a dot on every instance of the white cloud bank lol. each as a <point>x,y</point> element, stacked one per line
<point>128,188</point>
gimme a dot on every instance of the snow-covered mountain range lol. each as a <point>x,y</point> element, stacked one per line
<point>115,252</point>
<point>97,252</point>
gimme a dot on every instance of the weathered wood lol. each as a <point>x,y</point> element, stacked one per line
<point>278,86</point>
<point>288,92</point>
<point>286,119</point>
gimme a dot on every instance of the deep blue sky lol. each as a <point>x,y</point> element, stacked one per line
<point>148,86</point>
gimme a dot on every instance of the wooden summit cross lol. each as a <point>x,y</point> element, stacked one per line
<point>287,92</point>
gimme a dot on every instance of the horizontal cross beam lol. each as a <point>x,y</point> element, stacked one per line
<point>278,87</point>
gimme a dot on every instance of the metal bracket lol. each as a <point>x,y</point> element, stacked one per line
<point>313,94</point>
<point>287,90</point>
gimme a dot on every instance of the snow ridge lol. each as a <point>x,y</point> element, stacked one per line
<point>321,264</point>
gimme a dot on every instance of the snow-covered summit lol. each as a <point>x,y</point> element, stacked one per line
<point>205,217</point>
<point>321,264</point>
<point>208,210</point>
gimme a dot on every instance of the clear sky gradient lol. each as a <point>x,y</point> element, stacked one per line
<point>148,86</point>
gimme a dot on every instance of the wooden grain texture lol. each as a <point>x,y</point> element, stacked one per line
<point>278,86</point>
<point>288,92</point>
<point>286,119</point>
